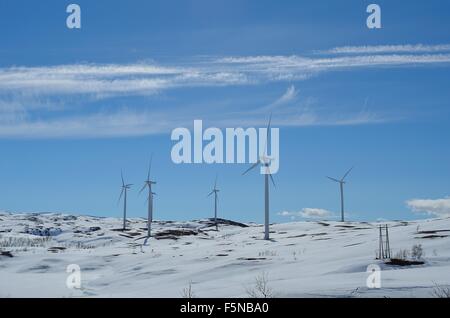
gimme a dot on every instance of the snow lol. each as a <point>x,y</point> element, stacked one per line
<point>303,259</point>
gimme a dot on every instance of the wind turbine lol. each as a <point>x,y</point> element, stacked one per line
<point>148,183</point>
<point>264,160</point>
<point>215,191</point>
<point>125,188</point>
<point>341,186</point>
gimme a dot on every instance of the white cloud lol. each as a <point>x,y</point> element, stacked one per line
<point>123,123</point>
<point>408,48</point>
<point>315,213</point>
<point>18,121</point>
<point>290,111</point>
<point>289,96</point>
<point>439,207</point>
<point>150,78</point>
<point>128,123</point>
<point>282,68</point>
<point>59,88</point>
<point>307,213</point>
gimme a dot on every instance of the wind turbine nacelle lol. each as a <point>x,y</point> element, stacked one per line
<point>269,164</point>
<point>234,146</point>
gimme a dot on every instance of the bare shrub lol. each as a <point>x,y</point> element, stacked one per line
<point>80,245</point>
<point>188,292</point>
<point>402,254</point>
<point>25,242</point>
<point>267,253</point>
<point>441,292</point>
<point>417,252</point>
<point>261,288</point>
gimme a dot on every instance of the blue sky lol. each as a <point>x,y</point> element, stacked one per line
<point>77,106</point>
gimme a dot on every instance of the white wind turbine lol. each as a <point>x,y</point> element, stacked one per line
<point>264,160</point>
<point>148,183</point>
<point>215,191</point>
<point>341,186</point>
<point>125,188</point>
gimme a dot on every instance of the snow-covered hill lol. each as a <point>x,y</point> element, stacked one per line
<point>304,259</point>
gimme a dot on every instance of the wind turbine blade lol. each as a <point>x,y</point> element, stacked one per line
<point>121,175</point>
<point>270,175</point>
<point>210,194</point>
<point>252,167</point>
<point>120,196</point>
<point>267,135</point>
<point>150,167</point>
<point>333,179</point>
<point>145,185</point>
<point>343,178</point>
<point>215,183</point>
<point>273,181</point>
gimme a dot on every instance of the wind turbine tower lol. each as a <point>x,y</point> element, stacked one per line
<point>341,187</point>
<point>148,184</point>
<point>264,160</point>
<point>215,191</point>
<point>125,188</point>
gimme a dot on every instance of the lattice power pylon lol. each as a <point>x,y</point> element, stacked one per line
<point>384,251</point>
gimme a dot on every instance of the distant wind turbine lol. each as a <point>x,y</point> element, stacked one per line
<point>341,185</point>
<point>148,183</point>
<point>264,160</point>
<point>125,188</point>
<point>215,191</point>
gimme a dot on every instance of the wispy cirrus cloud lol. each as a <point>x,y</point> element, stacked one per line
<point>109,80</point>
<point>371,49</point>
<point>130,122</point>
<point>289,96</point>
<point>29,94</point>
<point>279,68</point>
<point>150,78</point>
<point>121,123</point>
<point>291,110</point>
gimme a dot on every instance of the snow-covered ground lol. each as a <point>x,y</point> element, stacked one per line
<point>304,259</point>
